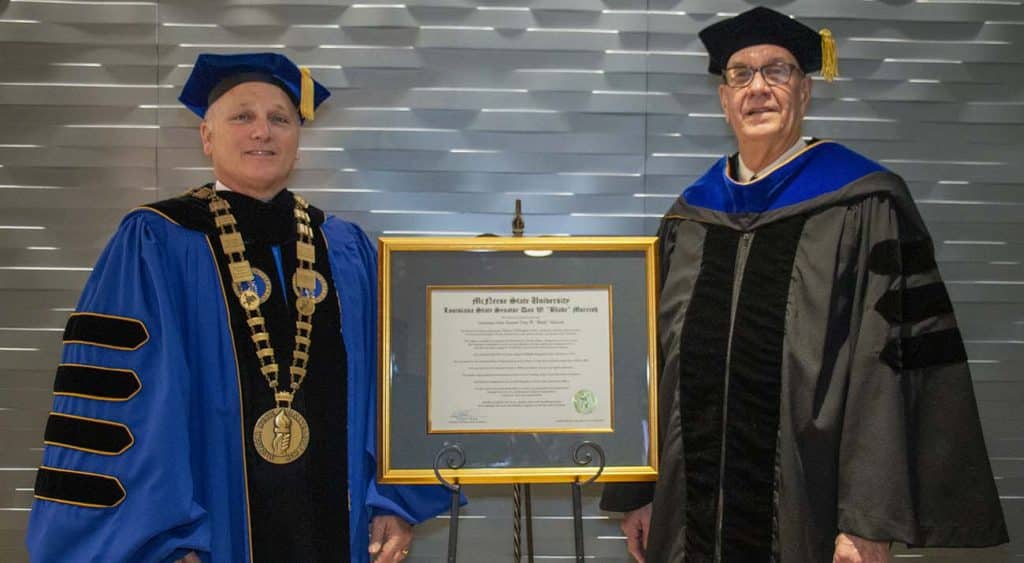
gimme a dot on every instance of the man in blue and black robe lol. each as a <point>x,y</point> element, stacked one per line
<point>815,402</point>
<point>153,450</point>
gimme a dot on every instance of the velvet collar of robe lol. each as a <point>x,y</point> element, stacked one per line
<point>820,168</point>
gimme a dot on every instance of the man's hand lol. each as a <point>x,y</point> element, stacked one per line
<point>390,538</point>
<point>852,549</point>
<point>192,557</point>
<point>636,524</point>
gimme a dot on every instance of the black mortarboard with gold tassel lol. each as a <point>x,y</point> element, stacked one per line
<point>759,26</point>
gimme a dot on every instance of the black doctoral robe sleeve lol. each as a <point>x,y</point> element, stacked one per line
<point>912,462</point>
<point>624,497</point>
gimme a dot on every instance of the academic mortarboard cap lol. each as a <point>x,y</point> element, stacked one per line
<point>759,26</point>
<point>213,75</point>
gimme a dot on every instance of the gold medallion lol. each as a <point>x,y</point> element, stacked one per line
<point>281,435</point>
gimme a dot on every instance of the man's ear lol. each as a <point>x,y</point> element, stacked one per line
<point>805,89</point>
<point>721,101</point>
<point>206,136</point>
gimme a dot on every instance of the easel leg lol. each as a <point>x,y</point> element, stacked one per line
<point>453,523</point>
<point>577,519</point>
<point>529,523</point>
<point>517,503</point>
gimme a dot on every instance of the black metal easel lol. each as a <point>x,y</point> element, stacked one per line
<point>582,457</point>
<point>521,494</point>
<point>454,458</point>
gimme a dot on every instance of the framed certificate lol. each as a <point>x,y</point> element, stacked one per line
<point>519,358</point>
<point>516,351</point>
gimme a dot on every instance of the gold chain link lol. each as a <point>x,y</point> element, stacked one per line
<point>243,281</point>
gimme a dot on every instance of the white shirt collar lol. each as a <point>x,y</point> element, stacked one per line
<point>745,174</point>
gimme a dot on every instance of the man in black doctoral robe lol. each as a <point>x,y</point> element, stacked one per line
<point>815,402</point>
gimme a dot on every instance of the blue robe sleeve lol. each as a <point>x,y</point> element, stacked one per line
<point>354,267</point>
<point>115,482</point>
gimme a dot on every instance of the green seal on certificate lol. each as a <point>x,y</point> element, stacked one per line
<point>584,401</point>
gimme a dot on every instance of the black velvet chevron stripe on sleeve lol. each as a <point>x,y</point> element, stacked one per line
<point>891,257</point>
<point>87,434</point>
<point>107,331</point>
<point>915,304</point>
<point>926,350</point>
<point>78,488</point>
<point>95,382</point>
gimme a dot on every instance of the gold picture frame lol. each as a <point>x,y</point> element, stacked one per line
<point>621,270</point>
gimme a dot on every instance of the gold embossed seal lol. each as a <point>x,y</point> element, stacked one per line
<point>281,435</point>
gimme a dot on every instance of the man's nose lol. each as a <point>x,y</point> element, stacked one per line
<point>759,83</point>
<point>260,129</point>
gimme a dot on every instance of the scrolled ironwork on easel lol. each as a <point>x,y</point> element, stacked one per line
<point>454,458</point>
<point>581,456</point>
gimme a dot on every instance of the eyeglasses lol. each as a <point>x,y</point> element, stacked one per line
<point>775,74</point>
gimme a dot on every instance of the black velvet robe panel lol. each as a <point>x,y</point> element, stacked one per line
<point>297,511</point>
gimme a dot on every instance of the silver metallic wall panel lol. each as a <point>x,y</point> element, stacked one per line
<point>444,112</point>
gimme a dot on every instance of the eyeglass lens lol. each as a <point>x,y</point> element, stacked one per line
<point>775,74</point>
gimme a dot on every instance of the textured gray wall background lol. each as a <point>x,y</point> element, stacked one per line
<point>595,113</point>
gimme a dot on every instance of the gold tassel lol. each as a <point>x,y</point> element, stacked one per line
<point>829,56</point>
<point>306,108</point>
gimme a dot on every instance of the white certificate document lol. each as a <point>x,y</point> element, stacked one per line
<point>519,359</point>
